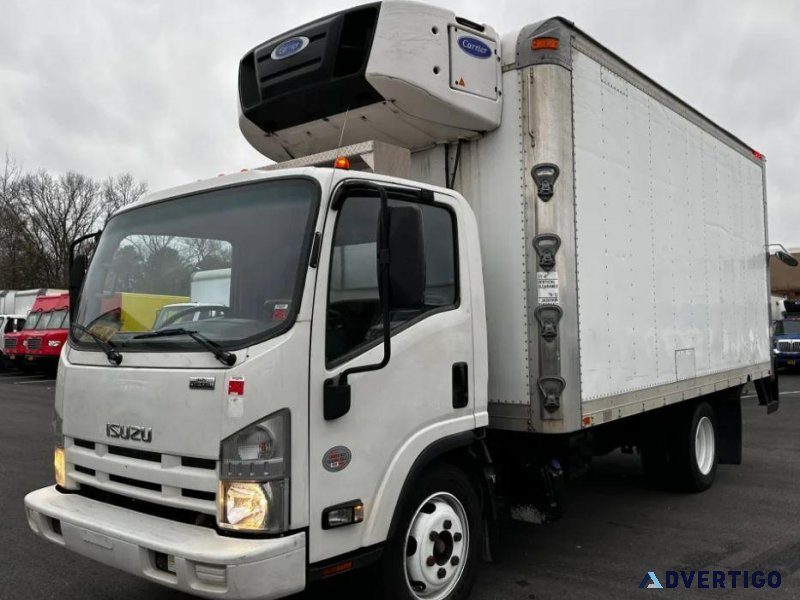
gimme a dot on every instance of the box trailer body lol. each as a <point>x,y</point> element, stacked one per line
<point>645,182</point>
<point>6,300</point>
<point>211,287</point>
<point>20,302</point>
<point>539,254</point>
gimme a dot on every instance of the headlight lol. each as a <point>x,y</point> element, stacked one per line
<point>254,477</point>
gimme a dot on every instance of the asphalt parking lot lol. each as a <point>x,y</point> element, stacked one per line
<point>616,528</point>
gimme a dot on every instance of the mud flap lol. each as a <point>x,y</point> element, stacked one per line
<point>767,390</point>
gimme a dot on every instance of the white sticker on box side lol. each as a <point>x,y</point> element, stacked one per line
<point>547,287</point>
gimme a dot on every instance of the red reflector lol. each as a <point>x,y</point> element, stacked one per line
<point>337,568</point>
<point>758,155</point>
<point>341,163</point>
<point>236,387</point>
<point>544,43</point>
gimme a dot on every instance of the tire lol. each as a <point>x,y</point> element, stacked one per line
<point>695,449</point>
<point>443,510</point>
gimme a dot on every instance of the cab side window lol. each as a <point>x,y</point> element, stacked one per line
<point>354,316</point>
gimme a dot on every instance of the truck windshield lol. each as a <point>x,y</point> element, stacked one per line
<point>32,320</point>
<point>228,263</point>
<point>52,319</point>
<point>787,327</point>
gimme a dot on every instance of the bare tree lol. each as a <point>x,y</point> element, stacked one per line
<point>41,214</point>
<point>20,266</point>
<point>57,211</point>
<point>120,191</point>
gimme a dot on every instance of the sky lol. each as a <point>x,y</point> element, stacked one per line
<point>148,87</point>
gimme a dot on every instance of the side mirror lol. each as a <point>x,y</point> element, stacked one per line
<point>786,258</point>
<point>77,273</point>
<point>406,258</point>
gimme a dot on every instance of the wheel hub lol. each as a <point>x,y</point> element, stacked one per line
<point>704,445</point>
<point>436,547</point>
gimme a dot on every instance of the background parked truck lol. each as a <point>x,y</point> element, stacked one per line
<point>42,338</point>
<point>538,255</point>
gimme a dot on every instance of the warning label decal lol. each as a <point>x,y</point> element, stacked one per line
<point>547,287</point>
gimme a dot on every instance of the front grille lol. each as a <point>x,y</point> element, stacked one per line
<point>34,343</point>
<point>198,463</point>
<point>188,516</point>
<point>795,346</point>
<point>9,343</point>
<point>134,453</point>
<point>135,483</point>
<point>789,346</point>
<point>176,481</point>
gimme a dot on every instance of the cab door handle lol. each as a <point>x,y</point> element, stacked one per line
<point>460,385</point>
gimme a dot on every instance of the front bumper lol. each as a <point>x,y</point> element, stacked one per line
<point>787,359</point>
<point>206,564</point>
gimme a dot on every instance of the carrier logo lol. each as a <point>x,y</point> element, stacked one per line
<point>473,47</point>
<point>134,433</point>
<point>289,48</point>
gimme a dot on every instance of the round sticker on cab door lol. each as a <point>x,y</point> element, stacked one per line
<point>474,47</point>
<point>337,458</point>
<point>289,48</point>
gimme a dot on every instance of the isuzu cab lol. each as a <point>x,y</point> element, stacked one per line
<point>529,253</point>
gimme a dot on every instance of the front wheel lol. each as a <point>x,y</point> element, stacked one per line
<point>434,553</point>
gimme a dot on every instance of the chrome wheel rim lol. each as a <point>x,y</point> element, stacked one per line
<point>704,445</point>
<point>436,548</point>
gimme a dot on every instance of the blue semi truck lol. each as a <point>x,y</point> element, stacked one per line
<point>786,337</point>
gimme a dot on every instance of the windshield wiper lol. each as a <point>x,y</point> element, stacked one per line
<point>223,356</point>
<point>114,357</point>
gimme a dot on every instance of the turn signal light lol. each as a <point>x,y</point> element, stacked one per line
<point>59,466</point>
<point>348,513</point>
<point>544,43</point>
<point>341,163</point>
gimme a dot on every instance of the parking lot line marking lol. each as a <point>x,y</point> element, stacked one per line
<point>37,381</point>
<point>8,377</point>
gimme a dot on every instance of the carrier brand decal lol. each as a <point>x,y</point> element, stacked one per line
<point>134,433</point>
<point>337,458</point>
<point>473,47</point>
<point>289,48</point>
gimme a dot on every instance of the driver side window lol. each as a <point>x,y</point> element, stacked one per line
<point>354,317</point>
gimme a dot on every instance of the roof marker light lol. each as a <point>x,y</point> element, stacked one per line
<point>758,155</point>
<point>342,162</point>
<point>544,43</point>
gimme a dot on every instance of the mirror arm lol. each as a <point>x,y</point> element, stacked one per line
<point>75,242</point>
<point>383,261</point>
<point>336,392</point>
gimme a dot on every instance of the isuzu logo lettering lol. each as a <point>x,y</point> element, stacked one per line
<point>289,48</point>
<point>473,47</point>
<point>133,433</point>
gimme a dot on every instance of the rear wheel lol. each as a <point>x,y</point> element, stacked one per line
<point>434,554</point>
<point>695,449</point>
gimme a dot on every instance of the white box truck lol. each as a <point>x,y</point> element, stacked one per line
<point>537,255</point>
